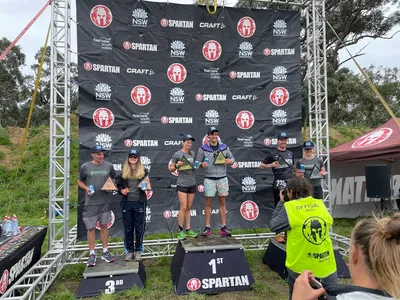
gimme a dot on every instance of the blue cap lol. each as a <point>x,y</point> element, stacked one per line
<point>188,137</point>
<point>134,152</point>
<point>308,145</point>
<point>212,129</point>
<point>97,149</point>
<point>282,135</point>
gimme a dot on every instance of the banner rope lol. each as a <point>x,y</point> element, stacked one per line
<point>208,6</point>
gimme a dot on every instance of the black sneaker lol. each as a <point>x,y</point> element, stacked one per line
<point>207,231</point>
<point>107,257</point>
<point>91,262</point>
<point>225,232</point>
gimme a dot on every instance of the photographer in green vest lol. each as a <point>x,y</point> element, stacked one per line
<point>307,223</point>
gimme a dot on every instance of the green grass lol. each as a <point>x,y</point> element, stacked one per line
<point>4,137</point>
<point>2,155</point>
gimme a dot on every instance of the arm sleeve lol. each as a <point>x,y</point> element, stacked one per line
<point>321,163</point>
<point>269,158</point>
<point>175,158</point>
<point>112,172</point>
<point>82,174</point>
<point>279,221</point>
<point>298,164</point>
<point>229,154</point>
<point>200,155</point>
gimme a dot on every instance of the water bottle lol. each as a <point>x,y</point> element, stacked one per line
<point>196,164</point>
<point>15,227</point>
<point>206,160</point>
<point>91,189</point>
<point>143,185</point>
<point>302,168</point>
<point>8,229</point>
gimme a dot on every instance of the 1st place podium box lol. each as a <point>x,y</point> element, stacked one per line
<point>210,265</point>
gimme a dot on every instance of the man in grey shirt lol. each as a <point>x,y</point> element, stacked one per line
<point>97,204</point>
<point>215,179</point>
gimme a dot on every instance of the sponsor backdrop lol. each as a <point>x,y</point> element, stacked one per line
<point>151,72</point>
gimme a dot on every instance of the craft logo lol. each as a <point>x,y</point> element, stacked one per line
<point>103,117</point>
<point>283,51</point>
<point>101,68</point>
<point>105,43</point>
<point>279,96</point>
<point>140,46</point>
<point>274,141</point>
<point>280,28</point>
<point>176,73</point>
<point>212,25</point>
<point>193,284</point>
<point>246,27</point>
<point>101,16</point>
<point>102,92</point>
<point>144,117</point>
<point>245,50</point>
<point>244,119</point>
<point>177,49</point>
<point>249,210</point>
<point>244,75</point>
<point>173,143</point>
<point>139,18</point>
<point>176,120</point>
<point>279,74</point>
<point>176,23</point>
<point>177,96</point>
<point>211,117</point>
<point>141,143</point>
<point>248,185</point>
<point>373,138</point>
<point>140,71</point>
<point>212,50</point>
<point>315,229</point>
<point>4,282</point>
<point>244,97</point>
<point>210,97</point>
<point>104,140</point>
<point>279,117</point>
<point>110,222</point>
<point>141,95</point>
<point>247,141</point>
<point>146,162</point>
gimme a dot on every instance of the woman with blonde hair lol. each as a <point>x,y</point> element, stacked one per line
<point>374,264</point>
<point>133,184</point>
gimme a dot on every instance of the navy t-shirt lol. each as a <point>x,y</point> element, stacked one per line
<point>285,171</point>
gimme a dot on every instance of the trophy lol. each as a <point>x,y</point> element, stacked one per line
<point>315,173</point>
<point>282,163</point>
<point>186,164</point>
<point>220,159</point>
<point>109,185</point>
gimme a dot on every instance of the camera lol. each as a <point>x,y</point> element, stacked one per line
<point>284,193</point>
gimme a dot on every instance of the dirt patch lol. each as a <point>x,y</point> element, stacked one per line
<point>12,151</point>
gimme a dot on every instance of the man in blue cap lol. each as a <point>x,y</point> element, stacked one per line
<point>97,201</point>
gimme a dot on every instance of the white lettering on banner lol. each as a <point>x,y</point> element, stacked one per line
<point>20,266</point>
<point>174,213</point>
<point>248,164</point>
<point>244,97</point>
<point>212,25</point>
<point>139,71</point>
<point>180,24</point>
<point>173,143</point>
<point>144,47</point>
<point>213,212</point>
<point>106,68</point>
<point>117,167</point>
<point>248,74</point>
<point>290,141</point>
<point>144,143</point>
<point>220,282</point>
<point>180,120</point>
<point>214,97</point>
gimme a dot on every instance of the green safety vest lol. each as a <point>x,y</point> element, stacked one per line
<point>308,245</point>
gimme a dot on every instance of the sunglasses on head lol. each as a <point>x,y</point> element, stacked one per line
<point>133,156</point>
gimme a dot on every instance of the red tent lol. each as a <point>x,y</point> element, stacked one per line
<point>382,143</point>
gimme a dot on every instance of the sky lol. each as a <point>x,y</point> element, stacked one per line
<point>15,15</point>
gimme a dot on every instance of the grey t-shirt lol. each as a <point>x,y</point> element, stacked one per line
<point>96,175</point>
<point>186,178</point>
<point>309,166</point>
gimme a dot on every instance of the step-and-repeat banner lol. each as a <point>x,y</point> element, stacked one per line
<point>150,72</point>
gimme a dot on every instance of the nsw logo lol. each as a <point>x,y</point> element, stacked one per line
<point>139,18</point>
<point>279,73</point>
<point>211,117</point>
<point>102,92</point>
<point>279,117</point>
<point>146,162</point>
<point>177,49</point>
<point>279,28</point>
<point>177,96</point>
<point>104,140</point>
<point>248,185</point>
<point>245,50</point>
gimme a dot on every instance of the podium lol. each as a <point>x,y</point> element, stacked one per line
<point>210,265</point>
<point>275,257</point>
<point>112,277</point>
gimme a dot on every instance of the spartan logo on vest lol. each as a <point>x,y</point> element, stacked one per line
<point>104,140</point>
<point>249,210</point>
<point>103,92</point>
<point>245,50</point>
<point>103,117</point>
<point>176,73</point>
<point>177,49</point>
<point>212,50</point>
<point>279,74</point>
<point>177,96</point>
<point>279,96</point>
<point>212,117</point>
<point>248,185</point>
<point>141,95</point>
<point>315,229</point>
<point>280,28</point>
<point>101,16</point>
<point>244,119</point>
<point>246,27</point>
<point>139,18</point>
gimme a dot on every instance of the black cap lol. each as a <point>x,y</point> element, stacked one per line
<point>188,136</point>
<point>212,129</point>
<point>308,145</point>
<point>282,135</point>
<point>97,149</point>
<point>134,152</point>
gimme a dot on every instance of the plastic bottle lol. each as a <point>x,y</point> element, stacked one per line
<point>143,185</point>
<point>15,227</point>
<point>8,229</point>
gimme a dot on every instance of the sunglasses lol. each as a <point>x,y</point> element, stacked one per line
<point>133,156</point>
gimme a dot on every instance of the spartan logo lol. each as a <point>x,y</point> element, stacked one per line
<point>177,49</point>
<point>101,16</point>
<point>103,117</point>
<point>248,185</point>
<point>212,50</point>
<point>212,117</point>
<point>315,230</point>
<point>104,140</point>
<point>193,284</point>
<point>279,74</point>
<point>141,95</point>
<point>373,138</point>
<point>279,117</point>
<point>177,96</point>
<point>245,50</point>
<point>249,210</point>
<point>279,96</point>
<point>176,73</point>
<point>103,92</point>
<point>244,119</point>
<point>139,18</point>
<point>246,27</point>
<point>146,162</point>
<point>280,28</point>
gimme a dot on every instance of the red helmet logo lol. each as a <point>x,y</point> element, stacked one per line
<point>88,66</point>
<point>267,141</point>
<point>279,96</point>
<point>232,74</point>
<point>4,282</point>
<point>109,223</point>
<point>249,210</point>
<point>167,214</point>
<point>234,165</point>
<point>373,138</point>
<point>212,50</point>
<point>200,188</point>
<point>128,143</point>
<point>141,95</point>
<point>164,120</point>
<point>101,16</point>
<point>267,51</point>
<point>244,119</point>
<point>164,22</point>
<point>127,45</point>
<point>246,27</point>
<point>193,284</point>
<point>176,73</point>
<point>199,97</point>
<point>103,117</point>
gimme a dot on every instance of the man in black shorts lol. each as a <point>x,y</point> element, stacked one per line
<point>281,162</point>
<point>97,204</point>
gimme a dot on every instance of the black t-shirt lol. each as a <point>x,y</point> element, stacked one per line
<point>285,171</point>
<point>215,150</point>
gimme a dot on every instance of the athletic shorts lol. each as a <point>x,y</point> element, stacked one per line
<point>212,186</point>
<point>186,189</point>
<point>94,213</point>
